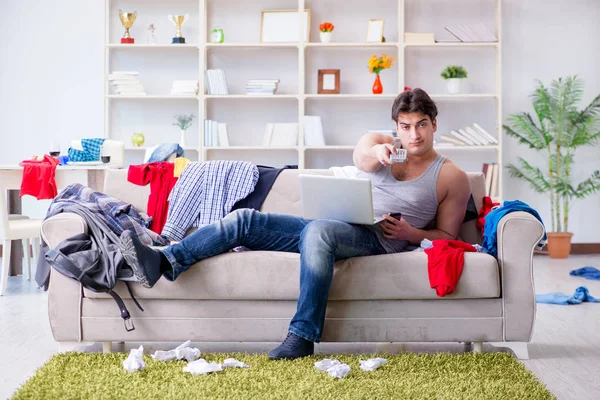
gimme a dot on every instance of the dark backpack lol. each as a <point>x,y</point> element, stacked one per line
<point>77,258</point>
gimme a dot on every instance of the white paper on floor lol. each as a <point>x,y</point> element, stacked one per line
<point>181,352</point>
<point>372,363</point>
<point>334,368</point>
<point>134,361</point>
<point>233,363</point>
<point>201,366</point>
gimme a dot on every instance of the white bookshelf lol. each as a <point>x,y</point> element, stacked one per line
<point>299,97</point>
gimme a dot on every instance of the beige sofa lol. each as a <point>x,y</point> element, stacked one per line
<point>251,296</point>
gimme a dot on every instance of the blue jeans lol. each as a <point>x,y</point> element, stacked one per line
<point>319,242</point>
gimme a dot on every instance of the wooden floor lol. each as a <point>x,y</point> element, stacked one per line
<point>564,352</point>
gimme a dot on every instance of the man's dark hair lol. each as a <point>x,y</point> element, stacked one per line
<point>414,101</point>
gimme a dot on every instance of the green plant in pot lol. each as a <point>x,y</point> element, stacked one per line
<point>453,74</point>
<point>560,129</point>
<point>183,122</point>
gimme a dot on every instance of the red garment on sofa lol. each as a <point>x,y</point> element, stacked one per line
<point>487,206</point>
<point>38,178</point>
<point>161,179</point>
<point>445,262</point>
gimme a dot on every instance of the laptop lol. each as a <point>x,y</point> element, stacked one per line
<point>342,199</point>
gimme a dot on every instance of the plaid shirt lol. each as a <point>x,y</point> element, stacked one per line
<point>91,150</point>
<point>119,216</point>
<point>206,192</point>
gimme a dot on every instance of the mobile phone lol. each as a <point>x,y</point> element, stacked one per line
<point>396,215</point>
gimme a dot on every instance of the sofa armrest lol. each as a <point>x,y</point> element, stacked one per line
<point>518,234</point>
<point>64,294</point>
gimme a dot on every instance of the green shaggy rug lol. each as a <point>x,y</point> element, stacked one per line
<point>405,376</point>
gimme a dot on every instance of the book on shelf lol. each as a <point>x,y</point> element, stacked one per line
<point>126,83</point>
<point>281,135</point>
<point>313,131</point>
<point>184,87</point>
<point>216,83</point>
<point>472,135</point>
<point>262,86</point>
<point>471,33</point>
<point>491,172</point>
<point>419,38</point>
<point>223,137</point>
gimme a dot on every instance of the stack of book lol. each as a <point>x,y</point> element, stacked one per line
<point>491,172</point>
<point>471,32</point>
<point>216,84</point>
<point>126,83</point>
<point>215,134</point>
<point>473,135</point>
<point>184,88</point>
<point>259,87</point>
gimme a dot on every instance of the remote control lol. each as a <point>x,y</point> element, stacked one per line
<point>401,153</point>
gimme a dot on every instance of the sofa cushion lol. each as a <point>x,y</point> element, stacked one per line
<point>261,275</point>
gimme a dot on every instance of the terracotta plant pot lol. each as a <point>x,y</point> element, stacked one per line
<point>559,244</point>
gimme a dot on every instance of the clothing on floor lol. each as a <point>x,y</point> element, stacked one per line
<point>493,218</point>
<point>38,178</point>
<point>416,199</point>
<point>587,272</point>
<point>180,164</point>
<point>161,178</point>
<point>101,210</point>
<point>266,178</point>
<point>445,261</point>
<point>581,295</point>
<point>91,150</point>
<point>488,205</point>
<point>164,151</point>
<point>206,192</point>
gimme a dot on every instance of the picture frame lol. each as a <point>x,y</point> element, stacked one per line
<point>375,31</point>
<point>282,26</point>
<point>329,81</point>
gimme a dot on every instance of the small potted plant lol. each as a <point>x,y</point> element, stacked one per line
<point>183,122</point>
<point>453,74</point>
<point>326,28</point>
<point>376,65</point>
<point>562,128</point>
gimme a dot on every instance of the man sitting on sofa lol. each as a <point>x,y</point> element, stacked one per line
<point>424,188</point>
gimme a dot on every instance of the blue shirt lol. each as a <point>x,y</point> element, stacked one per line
<point>493,218</point>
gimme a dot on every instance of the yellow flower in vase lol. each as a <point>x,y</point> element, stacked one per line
<point>376,65</point>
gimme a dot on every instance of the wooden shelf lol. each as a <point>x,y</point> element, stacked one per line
<point>293,45</point>
<point>453,44</point>
<point>353,44</point>
<point>331,147</point>
<point>467,148</point>
<point>251,148</point>
<point>350,96</point>
<point>150,97</point>
<point>245,96</point>
<point>151,46</point>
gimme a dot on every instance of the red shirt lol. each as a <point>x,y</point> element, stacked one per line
<point>445,262</point>
<point>161,179</point>
<point>38,178</point>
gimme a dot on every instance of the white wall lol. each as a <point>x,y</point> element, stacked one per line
<point>51,70</point>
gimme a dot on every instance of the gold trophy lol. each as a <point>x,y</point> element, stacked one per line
<point>127,19</point>
<point>178,20</point>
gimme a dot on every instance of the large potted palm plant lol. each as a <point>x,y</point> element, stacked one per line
<point>560,129</point>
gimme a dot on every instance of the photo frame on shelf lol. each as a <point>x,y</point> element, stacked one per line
<point>375,31</point>
<point>329,81</point>
<point>282,26</point>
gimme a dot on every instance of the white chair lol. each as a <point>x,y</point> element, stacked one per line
<point>17,228</point>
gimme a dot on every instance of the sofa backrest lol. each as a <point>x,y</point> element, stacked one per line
<point>284,196</point>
